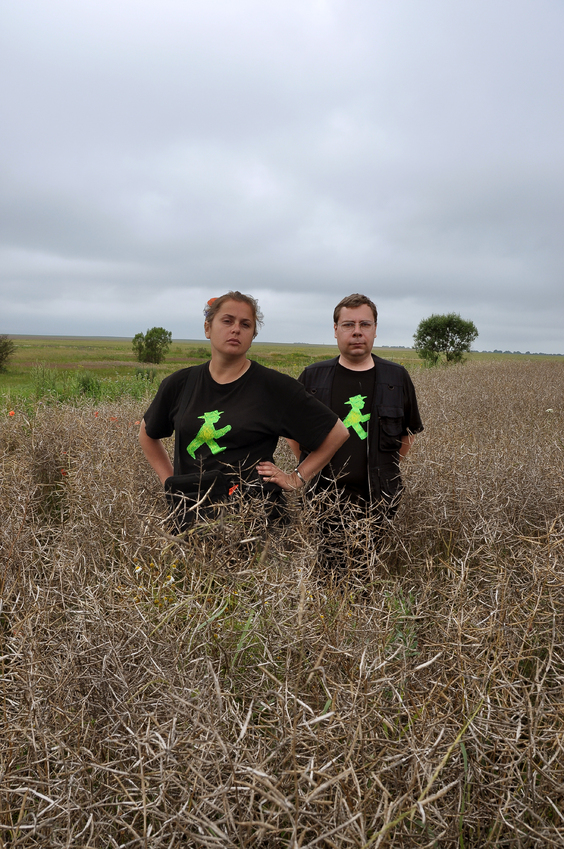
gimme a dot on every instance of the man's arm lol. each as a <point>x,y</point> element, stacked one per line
<point>407,441</point>
<point>156,454</point>
<point>312,464</point>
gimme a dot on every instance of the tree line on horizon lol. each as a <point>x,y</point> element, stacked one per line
<point>438,338</point>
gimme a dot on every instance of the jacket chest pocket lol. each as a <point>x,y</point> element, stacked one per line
<point>390,420</point>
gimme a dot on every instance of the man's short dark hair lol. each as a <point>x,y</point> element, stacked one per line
<point>352,301</point>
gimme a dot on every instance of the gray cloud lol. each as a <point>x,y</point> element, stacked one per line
<point>156,154</point>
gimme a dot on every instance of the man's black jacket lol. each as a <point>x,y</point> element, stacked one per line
<point>394,414</point>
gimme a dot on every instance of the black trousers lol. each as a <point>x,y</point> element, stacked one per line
<point>205,500</point>
<point>349,529</point>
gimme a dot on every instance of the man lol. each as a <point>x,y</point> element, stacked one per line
<point>375,399</point>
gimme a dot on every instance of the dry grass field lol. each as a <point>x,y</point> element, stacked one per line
<point>214,691</point>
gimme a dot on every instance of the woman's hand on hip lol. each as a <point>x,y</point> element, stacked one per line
<point>272,474</point>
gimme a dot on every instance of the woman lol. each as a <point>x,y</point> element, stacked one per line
<point>228,413</point>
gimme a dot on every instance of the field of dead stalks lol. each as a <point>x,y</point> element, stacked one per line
<point>213,691</point>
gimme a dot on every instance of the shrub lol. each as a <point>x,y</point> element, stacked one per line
<point>444,335</point>
<point>152,346</point>
<point>88,384</point>
<point>51,386</point>
<point>7,348</point>
<point>147,374</point>
<point>44,381</point>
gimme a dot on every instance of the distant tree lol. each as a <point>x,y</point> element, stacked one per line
<point>447,336</point>
<point>7,348</point>
<point>152,346</point>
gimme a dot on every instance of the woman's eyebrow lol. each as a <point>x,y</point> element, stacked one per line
<point>228,315</point>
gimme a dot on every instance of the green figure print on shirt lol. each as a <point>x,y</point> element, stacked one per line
<point>355,418</point>
<point>207,434</point>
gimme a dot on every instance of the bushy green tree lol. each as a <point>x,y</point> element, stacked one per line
<point>152,346</point>
<point>447,336</point>
<point>7,348</point>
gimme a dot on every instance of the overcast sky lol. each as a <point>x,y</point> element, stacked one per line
<point>156,153</point>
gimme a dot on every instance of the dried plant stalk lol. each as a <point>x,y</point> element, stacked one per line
<point>220,690</point>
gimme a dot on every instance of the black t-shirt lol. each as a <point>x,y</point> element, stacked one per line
<point>235,425</point>
<point>351,399</point>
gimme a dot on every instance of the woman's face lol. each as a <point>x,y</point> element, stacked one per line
<point>232,328</point>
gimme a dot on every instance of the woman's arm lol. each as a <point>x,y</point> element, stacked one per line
<point>156,454</point>
<point>312,464</point>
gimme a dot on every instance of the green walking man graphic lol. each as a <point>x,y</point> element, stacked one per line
<point>355,418</point>
<point>207,434</point>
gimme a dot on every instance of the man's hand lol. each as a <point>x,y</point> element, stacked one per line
<point>407,441</point>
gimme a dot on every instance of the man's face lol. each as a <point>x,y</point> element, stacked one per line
<point>355,341</point>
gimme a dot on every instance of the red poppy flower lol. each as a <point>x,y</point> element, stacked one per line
<point>12,413</point>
